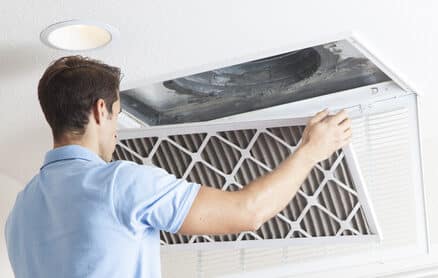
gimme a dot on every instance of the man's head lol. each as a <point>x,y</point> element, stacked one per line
<point>80,98</point>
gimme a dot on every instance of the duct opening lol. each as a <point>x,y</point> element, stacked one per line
<point>253,85</point>
<point>277,72</point>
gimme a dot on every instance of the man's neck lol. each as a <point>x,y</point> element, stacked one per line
<point>81,140</point>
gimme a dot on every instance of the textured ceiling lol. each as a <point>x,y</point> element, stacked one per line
<point>163,39</point>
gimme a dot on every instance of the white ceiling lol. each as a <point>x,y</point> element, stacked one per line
<point>167,38</point>
<point>164,38</point>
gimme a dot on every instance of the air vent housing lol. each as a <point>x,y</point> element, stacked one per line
<point>249,114</point>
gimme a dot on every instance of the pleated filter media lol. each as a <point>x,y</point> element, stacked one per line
<point>332,203</point>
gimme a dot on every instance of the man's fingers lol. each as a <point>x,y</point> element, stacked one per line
<point>347,134</point>
<point>347,140</point>
<point>346,124</point>
<point>319,116</point>
<point>339,117</point>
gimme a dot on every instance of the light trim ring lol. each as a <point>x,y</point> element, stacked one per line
<point>78,35</point>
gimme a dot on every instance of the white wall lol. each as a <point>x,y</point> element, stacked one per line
<point>8,191</point>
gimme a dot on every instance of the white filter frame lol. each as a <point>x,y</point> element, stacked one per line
<point>363,199</point>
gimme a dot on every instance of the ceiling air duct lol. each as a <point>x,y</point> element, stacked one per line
<point>229,123</point>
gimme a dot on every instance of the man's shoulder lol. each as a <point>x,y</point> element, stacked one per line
<point>29,187</point>
<point>128,170</point>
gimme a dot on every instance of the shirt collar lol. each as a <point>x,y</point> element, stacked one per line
<point>70,152</point>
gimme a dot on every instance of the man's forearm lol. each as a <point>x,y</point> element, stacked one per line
<point>270,193</point>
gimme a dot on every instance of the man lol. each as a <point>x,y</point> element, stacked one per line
<point>84,216</point>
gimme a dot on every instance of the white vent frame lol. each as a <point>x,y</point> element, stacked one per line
<point>162,132</point>
<point>301,260</point>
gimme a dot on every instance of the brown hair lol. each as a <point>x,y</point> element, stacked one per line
<point>70,87</point>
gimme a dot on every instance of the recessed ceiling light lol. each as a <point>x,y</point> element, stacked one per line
<point>77,35</point>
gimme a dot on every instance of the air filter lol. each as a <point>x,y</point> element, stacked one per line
<point>331,204</point>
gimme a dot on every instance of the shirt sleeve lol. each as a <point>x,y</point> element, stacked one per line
<point>149,197</point>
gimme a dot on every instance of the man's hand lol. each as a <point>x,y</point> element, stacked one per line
<point>325,134</point>
<point>218,212</point>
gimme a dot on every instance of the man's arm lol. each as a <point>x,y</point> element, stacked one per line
<point>220,212</point>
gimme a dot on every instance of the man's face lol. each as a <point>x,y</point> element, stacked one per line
<point>109,138</point>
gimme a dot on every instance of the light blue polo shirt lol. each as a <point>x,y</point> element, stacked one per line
<point>83,217</point>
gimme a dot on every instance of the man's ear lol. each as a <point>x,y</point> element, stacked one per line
<point>99,110</point>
